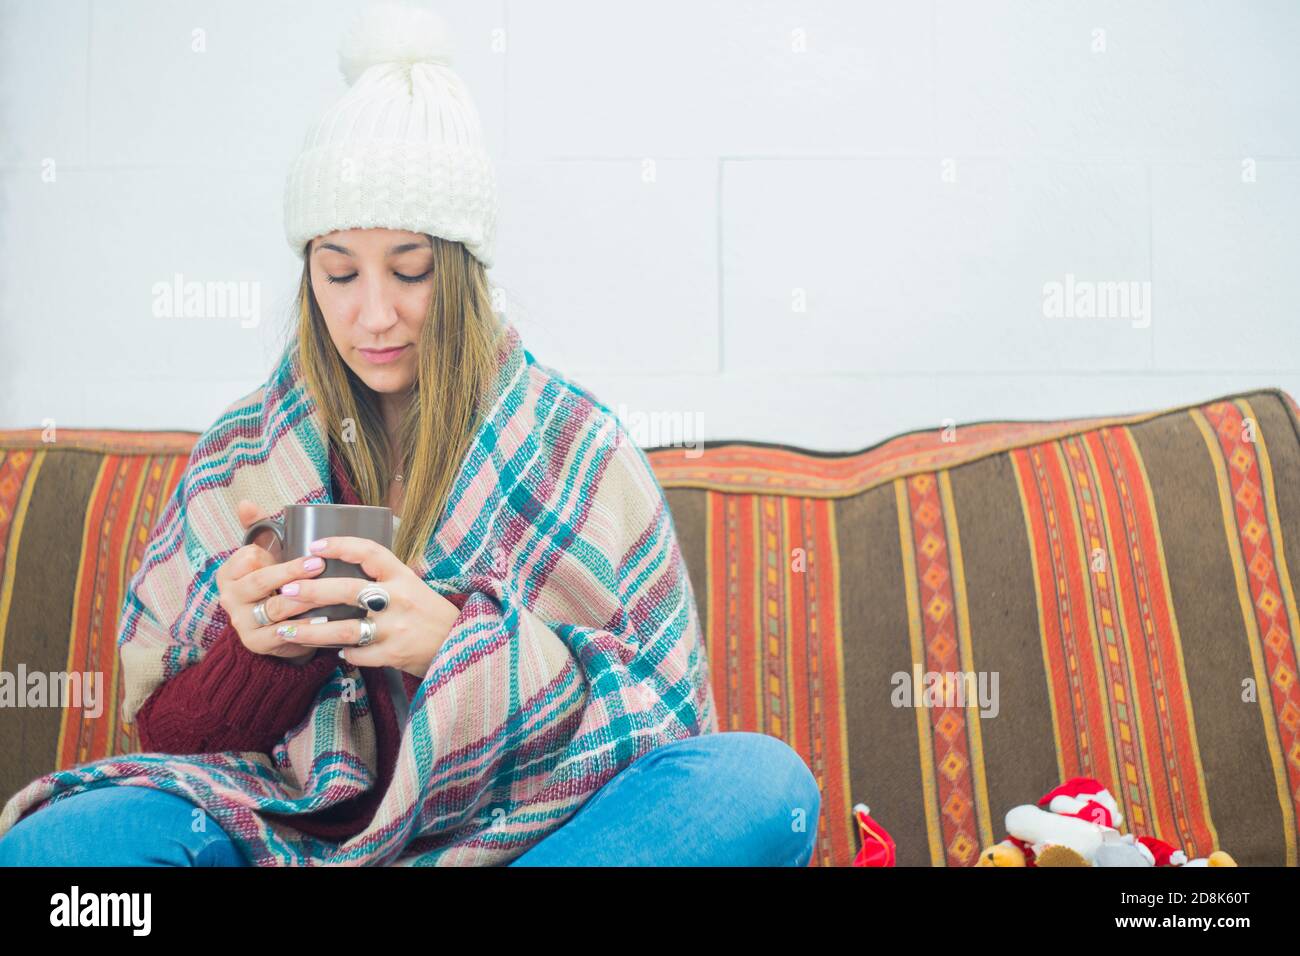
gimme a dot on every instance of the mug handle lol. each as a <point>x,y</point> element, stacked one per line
<point>276,525</point>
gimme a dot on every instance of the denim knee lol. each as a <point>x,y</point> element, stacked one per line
<point>118,826</point>
<point>722,799</point>
<point>790,790</point>
<point>772,780</point>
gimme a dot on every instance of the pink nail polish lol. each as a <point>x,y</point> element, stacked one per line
<point>290,588</point>
<point>311,564</point>
<point>318,544</point>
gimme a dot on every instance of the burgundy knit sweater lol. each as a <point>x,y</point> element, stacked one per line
<point>235,699</point>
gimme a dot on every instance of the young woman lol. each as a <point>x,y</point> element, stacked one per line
<point>533,689</point>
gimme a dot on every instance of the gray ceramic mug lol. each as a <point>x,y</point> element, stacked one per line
<point>303,524</point>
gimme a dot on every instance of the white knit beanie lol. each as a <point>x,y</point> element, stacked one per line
<point>403,148</point>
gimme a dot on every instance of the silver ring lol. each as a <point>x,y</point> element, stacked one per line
<point>369,631</point>
<point>259,614</point>
<point>372,598</point>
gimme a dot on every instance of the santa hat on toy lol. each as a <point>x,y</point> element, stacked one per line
<point>1161,853</point>
<point>1086,799</point>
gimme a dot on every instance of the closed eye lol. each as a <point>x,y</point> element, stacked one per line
<point>401,277</point>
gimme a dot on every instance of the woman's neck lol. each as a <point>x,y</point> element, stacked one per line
<point>391,407</point>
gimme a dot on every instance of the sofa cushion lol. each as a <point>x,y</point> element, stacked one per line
<point>1121,587</point>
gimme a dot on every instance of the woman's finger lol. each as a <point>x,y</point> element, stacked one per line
<point>243,561</point>
<point>376,561</point>
<point>267,636</point>
<point>248,512</point>
<point>372,655</point>
<point>280,608</point>
<point>332,632</point>
<point>262,582</point>
<point>319,592</point>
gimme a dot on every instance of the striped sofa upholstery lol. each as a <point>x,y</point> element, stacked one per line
<point>1123,584</point>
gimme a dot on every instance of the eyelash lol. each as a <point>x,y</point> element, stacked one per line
<point>401,278</point>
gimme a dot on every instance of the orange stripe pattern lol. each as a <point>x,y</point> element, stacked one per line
<point>1260,557</point>
<point>951,763</point>
<point>773,631</point>
<point>1120,701</point>
<point>125,504</point>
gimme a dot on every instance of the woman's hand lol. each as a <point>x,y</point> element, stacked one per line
<point>409,631</point>
<point>250,575</point>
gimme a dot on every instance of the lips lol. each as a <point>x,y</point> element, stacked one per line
<point>383,356</point>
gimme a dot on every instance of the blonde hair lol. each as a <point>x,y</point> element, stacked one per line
<point>456,362</point>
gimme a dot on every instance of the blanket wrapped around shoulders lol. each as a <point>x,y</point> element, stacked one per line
<point>577,649</point>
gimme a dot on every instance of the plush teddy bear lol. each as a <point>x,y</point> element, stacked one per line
<point>1077,824</point>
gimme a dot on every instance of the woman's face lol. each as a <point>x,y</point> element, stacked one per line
<point>373,287</point>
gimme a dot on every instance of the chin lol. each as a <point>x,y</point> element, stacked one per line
<point>387,382</point>
<point>397,377</point>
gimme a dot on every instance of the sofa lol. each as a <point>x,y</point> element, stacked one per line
<point>944,625</point>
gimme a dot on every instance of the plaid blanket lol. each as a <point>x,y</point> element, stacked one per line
<point>577,649</point>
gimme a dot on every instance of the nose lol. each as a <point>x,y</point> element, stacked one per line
<point>378,308</point>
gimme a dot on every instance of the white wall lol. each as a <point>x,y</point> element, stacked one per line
<point>913,176</point>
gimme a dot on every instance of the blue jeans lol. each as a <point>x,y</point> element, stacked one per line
<point>728,799</point>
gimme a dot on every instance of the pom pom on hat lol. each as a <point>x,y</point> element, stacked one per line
<point>389,32</point>
<point>400,149</point>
